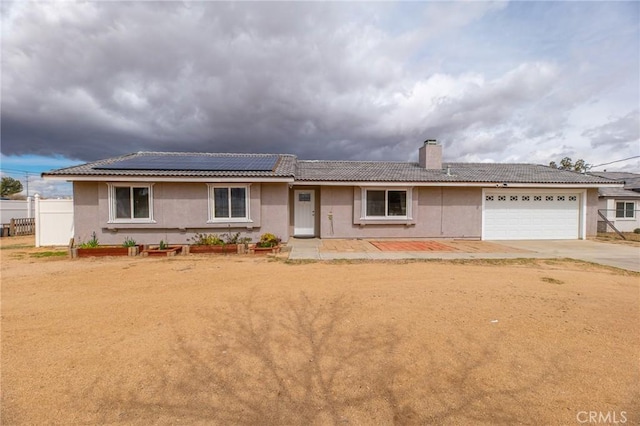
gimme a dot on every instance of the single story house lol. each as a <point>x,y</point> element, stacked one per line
<point>170,196</point>
<point>621,206</point>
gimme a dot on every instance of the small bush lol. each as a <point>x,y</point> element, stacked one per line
<point>230,238</point>
<point>163,245</point>
<point>636,231</point>
<point>92,243</point>
<point>268,240</point>
<point>129,242</point>
<point>206,240</point>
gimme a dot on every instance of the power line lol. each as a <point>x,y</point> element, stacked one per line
<point>26,176</point>
<point>617,161</point>
<point>16,170</point>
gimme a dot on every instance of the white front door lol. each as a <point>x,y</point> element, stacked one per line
<point>304,206</point>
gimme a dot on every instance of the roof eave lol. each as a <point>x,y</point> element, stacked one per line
<point>452,184</point>
<point>180,179</point>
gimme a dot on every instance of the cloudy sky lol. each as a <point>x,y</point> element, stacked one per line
<point>492,81</point>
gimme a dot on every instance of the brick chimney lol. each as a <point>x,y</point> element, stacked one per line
<point>430,155</point>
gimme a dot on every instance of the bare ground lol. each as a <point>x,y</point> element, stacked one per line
<point>247,340</point>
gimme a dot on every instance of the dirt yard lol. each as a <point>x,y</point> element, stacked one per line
<point>248,340</point>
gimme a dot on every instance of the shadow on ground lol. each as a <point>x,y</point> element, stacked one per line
<point>314,362</point>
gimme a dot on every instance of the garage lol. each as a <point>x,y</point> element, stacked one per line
<point>531,215</point>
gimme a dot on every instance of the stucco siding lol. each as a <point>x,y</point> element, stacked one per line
<point>462,213</point>
<point>592,212</point>
<point>85,210</point>
<point>436,213</point>
<point>275,210</point>
<point>180,210</point>
<point>608,205</point>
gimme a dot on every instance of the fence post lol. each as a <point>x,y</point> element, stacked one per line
<point>12,227</point>
<point>29,206</point>
<point>37,216</point>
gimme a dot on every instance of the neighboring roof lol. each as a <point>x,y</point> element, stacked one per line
<point>211,165</point>
<point>142,164</point>
<point>618,193</point>
<point>631,180</point>
<point>374,171</point>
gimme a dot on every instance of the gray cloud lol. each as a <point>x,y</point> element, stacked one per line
<point>96,79</point>
<point>618,133</point>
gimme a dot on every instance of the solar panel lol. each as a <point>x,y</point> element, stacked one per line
<point>239,163</point>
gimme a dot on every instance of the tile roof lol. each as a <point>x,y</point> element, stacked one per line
<point>288,166</point>
<point>631,180</point>
<point>374,171</point>
<point>618,193</point>
<point>285,167</point>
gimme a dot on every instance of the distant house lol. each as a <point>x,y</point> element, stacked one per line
<point>151,196</point>
<point>621,206</point>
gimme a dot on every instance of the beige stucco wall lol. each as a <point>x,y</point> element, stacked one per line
<point>608,205</point>
<point>592,212</point>
<point>437,213</point>
<point>274,206</point>
<point>85,210</point>
<point>179,210</point>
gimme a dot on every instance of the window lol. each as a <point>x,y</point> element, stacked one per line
<point>625,209</point>
<point>386,203</point>
<point>130,202</point>
<point>228,203</point>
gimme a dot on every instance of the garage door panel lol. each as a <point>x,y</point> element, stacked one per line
<point>521,215</point>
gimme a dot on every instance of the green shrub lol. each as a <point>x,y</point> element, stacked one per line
<point>129,242</point>
<point>206,240</point>
<point>268,240</point>
<point>636,231</point>
<point>92,243</point>
<point>163,245</point>
<point>230,238</point>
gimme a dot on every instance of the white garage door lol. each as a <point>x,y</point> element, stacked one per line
<point>513,215</point>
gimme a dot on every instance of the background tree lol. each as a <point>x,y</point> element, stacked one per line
<point>9,186</point>
<point>567,164</point>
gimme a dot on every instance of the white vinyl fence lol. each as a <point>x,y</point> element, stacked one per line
<point>16,209</point>
<point>54,222</point>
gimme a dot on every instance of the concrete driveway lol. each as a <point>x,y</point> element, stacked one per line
<point>618,255</point>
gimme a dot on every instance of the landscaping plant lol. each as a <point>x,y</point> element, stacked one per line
<point>268,240</point>
<point>129,242</point>
<point>92,243</point>
<point>206,240</point>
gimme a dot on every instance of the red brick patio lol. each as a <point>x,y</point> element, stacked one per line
<point>411,246</point>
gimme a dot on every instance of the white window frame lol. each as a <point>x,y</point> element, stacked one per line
<point>112,202</point>
<point>624,211</point>
<point>211,206</point>
<point>386,190</point>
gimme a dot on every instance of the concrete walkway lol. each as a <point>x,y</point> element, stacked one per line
<point>617,255</point>
<point>610,254</point>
